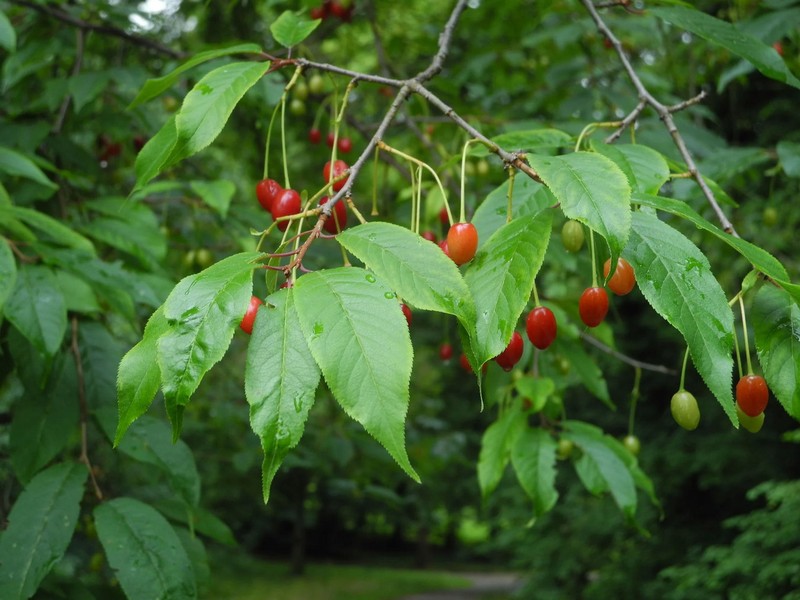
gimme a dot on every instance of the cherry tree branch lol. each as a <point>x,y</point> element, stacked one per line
<point>624,357</point>
<point>664,112</point>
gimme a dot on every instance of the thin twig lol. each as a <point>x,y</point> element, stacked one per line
<point>624,357</point>
<point>84,407</point>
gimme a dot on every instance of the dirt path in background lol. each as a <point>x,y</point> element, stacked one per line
<point>483,584</point>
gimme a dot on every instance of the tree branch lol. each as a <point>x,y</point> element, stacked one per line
<point>624,357</point>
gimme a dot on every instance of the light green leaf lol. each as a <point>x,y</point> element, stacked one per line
<point>8,37</point>
<point>40,528</point>
<point>144,551</point>
<point>760,258</point>
<point>148,441</point>
<point>592,190</point>
<point>155,155</point>
<point>538,141</point>
<point>725,34</point>
<point>418,270</point>
<point>646,169</point>
<point>217,194</point>
<point>359,338</point>
<point>8,272</point>
<point>789,155</point>
<point>676,279</point>
<point>139,377</point>
<point>18,165</point>
<point>498,439</point>
<point>279,383</point>
<point>78,295</point>
<point>533,456</point>
<point>206,108</point>
<point>154,87</point>
<point>51,228</point>
<point>36,308</point>
<point>44,420</point>
<point>612,471</point>
<point>203,312</point>
<point>500,278</point>
<point>535,389</point>
<point>776,322</point>
<point>290,28</point>
<point>529,198</point>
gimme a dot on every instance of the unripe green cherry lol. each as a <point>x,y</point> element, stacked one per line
<point>684,409</point>
<point>564,449</point>
<point>572,236</point>
<point>751,424</point>
<point>632,444</point>
<point>297,107</point>
<point>300,90</point>
<point>316,84</point>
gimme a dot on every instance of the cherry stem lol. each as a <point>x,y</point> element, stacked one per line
<point>463,178</point>
<point>683,368</point>
<point>353,208</point>
<point>746,341</point>
<point>510,206</point>
<point>738,354</point>
<point>594,266</point>
<point>535,294</point>
<point>634,399</point>
<point>589,130</point>
<point>269,137</point>
<point>375,182</point>
<point>418,201</point>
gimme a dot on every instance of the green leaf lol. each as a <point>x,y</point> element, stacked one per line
<point>36,308</point>
<point>290,28</point>
<point>148,441</point>
<point>725,34</point>
<point>592,190</point>
<point>203,312</point>
<point>586,369</point>
<point>198,558</point>
<point>54,230</point>
<point>612,471</point>
<point>78,295</point>
<point>8,272</point>
<point>217,194</point>
<point>142,238</point>
<point>154,87</point>
<point>359,337</point>
<point>498,439</point>
<point>208,106</point>
<point>144,551</point>
<point>646,169</point>
<point>529,198</point>
<point>501,276</point>
<point>676,279</point>
<point>155,155</point>
<point>535,389</point>
<point>139,376</point>
<point>44,420</point>
<point>40,528</point>
<point>17,165</point>
<point>776,323</point>
<point>760,258</point>
<point>538,141</point>
<point>85,87</point>
<point>533,456</point>
<point>199,519</point>
<point>789,155</point>
<point>418,270</point>
<point>279,383</point>
<point>8,37</point>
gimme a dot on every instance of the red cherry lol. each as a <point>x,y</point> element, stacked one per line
<point>345,145</point>
<point>593,306</point>
<point>139,141</point>
<point>315,136</point>
<point>752,395</point>
<point>513,352</point>
<point>319,12</point>
<point>443,246</point>
<point>462,242</point>
<point>329,139</point>
<point>464,362</point>
<point>250,316</point>
<point>445,351</point>
<point>623,279</point>
<point>345,13</point>
<point>541,327</point>
<point>267,190</point>
<point>778,48</point>
<point>339,215</point>
<point>339,167</point>
<point>443,217</point>
<point>430,236</point>
<point>407,312</point>
<point>288,203</point>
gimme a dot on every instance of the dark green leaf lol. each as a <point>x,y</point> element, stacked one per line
<point>8,272</point>
<point>40,528</point>
<point>586,369</point>
<point>776,322</point>
<point>85,87</point>
<point>501,276</point>
<point>366,360</point>
<point>538,141</point>
<point>725,34</point>
<point>592,190</point>
<point>154,87</point>
<point>675,278</point>
<point>36,308</point>
<point>417,269</point>
<point>217,194</point>
<point>789,155</point>
<point>8,37</point>
<point>54,230</point>
<point>144,551</point>
<point>498,439</point>
<point>533,456</point>
<point>290,28</point>
<point>18,165</point>
<point>198,519</point>
<point>203,312</point>
<point>280,380</point>
<point>78,295</point>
